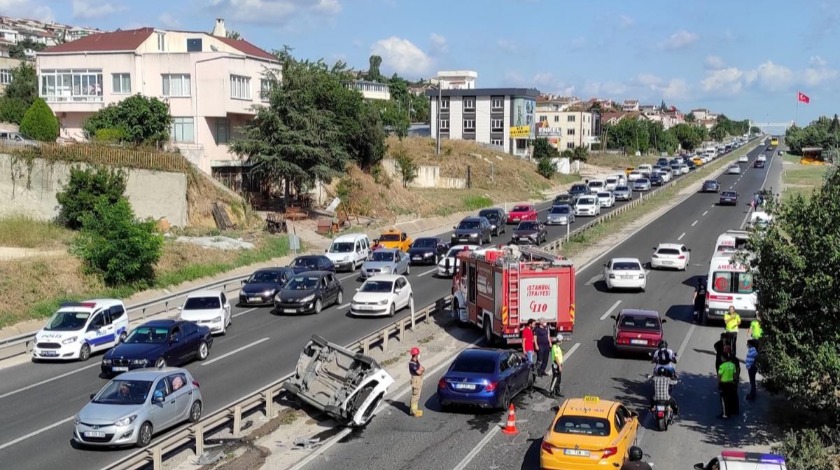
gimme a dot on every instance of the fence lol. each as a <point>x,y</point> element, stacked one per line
<point>98,154</point>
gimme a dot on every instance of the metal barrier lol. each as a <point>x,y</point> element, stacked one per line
<point>231,415</point>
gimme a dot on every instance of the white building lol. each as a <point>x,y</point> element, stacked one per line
<point>566,127</point>
<point>456,79</point>
<point>372,90</point>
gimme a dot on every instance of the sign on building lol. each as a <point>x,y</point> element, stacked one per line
<point>520,132</point>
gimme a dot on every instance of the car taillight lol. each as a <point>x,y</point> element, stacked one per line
<point>641,276</point>
<point>612,276</point>
<point>681,257</point>
<point>547,447</point>
<point>442,383</point>
<point>491,386</point>
<point>654,256</point>
<point>660,414</point>
<point>195,384</point>
<point>609,451</point>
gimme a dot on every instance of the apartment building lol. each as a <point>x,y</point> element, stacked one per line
<point>566,127</point>
<point>501,117</point>
<point>456,79</point>
<point>371,90</point>
<point>210,83</point>
<point>6,66</point>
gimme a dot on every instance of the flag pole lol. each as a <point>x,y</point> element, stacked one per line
<point>796,116</point>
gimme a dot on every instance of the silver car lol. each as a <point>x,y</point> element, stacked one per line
<point>642,184</point>
<point>623,193</point>
<point>562,214</point>
<point>387,261</point>
<point>137,404</point>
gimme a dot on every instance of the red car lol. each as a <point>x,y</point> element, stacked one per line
<point>521,213</point>
<point>637,331</point>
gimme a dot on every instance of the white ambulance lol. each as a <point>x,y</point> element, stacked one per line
<point>730,283</point>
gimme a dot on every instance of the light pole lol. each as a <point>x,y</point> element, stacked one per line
<point>437,134</point>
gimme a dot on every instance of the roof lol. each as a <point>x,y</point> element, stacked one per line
<point>480,352</point>
<point>98,303</point>
<point>127,40</point>
<point>349,237</point>
<point>670,245</point>
<point>204,293</point>
<point>247,48</point>
<point>166,323</point>
<point>626,260</point>
<point>639,312</point>
<point>149,373</point>
<point>273,269</point>
<point>523,92</point>
<point>385,277</point>
<point>577,406</point>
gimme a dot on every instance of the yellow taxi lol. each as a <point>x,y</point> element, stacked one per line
<point>629,170</point>
<point>395,239</point>
<point>697,161</point>
<point>589,433</point>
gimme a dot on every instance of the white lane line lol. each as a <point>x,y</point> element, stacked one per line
<point>681,237</point>
<point>343,306</point>
<point>694,223</point>
<point>427,272</point>
<point>571,351</point>
<point>244,312</point>
<point>705,213</point>
<point>35,433</point>
<point>223,356</point>
<point>615,305</point>
<point>685,340</point>
<point>713,205</point>
<point>353,274</point>
<point>593,280</point>
<point>730,187</point>
<point>13,392</point>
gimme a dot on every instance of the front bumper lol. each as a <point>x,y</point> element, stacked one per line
<point>367,274</point>
<point>256,298</point>
<point>215,326</point>
<point>369,310</point>
<point>348,265</point>
<point>443,272</point>
<point>107,435</point>
<point>295,307</point>
<point>466,240</point>
<point>585,212</point>
<point>118,367</point>
<point>523,241</point>
<point>563,221</point>
<point>426,258</point>
<point>63,353</point>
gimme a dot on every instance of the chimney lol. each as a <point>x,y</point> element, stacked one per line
<point>219,30</point>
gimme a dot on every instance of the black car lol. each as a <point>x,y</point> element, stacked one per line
<point>309,292</point>
<point>158,343</point>
<point>691,165</point>
<point>472,230</point>
<point>427,250</point>
<point>759,164</point>
<point>656,179</point>
<point>260,288</point>
<point>497,218</point>
<point>710,186</point>
<point>728,198</point>
<point>312,263</point>
<point>563,200</point>
<point>529,233</point>
<point>578,190</point>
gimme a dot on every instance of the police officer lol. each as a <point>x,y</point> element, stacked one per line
<point>728,386</point>
<point>731,323</point>
<point>416,370</point>
<point>700,299</point>
<point>556,359</point>
<point>634,462</point>
<point>755,328</point>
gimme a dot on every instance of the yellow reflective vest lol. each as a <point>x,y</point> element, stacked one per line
<point>732,321</point>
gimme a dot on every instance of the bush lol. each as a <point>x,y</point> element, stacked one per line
<point>142,120</point>
<point>406,166</point>
<point>116,246</point>
<point>12,110</point>
<point>810,449</point>
<point>85,189</point>
<point>109,136</point>
<point>546,168</point>
<point>39,122</point>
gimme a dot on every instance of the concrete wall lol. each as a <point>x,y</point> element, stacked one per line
<point>152,194</point>
<point>428,176</point>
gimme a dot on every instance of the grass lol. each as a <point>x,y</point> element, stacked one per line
<point>617,161</point>
<point>23,231</point>
<point>801,180</point>
<point>474,203</point>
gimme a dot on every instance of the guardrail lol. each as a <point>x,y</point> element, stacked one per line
<point>231,415</point>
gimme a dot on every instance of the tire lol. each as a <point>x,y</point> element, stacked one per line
<point>339,299</point>
<point>203,351</point>
<point>195,412</point>
<point>662,424</point>
<point>393,310</point>
<point>532,378</point>
<point>144,436</point>
<point>410,300</point>
<point>489,336</point>
<point>160,363</point>
<point>506,400</point>
<point>84,353</point>
<point>122,337</point>
<point>408,269</point>
<point>318,306</point>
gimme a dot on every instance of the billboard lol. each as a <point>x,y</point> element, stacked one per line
<point>520,132</point>
<point>523,115</point>
<point>539,298</point>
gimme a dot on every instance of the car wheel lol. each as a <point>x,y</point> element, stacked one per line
<point>506,400</point>
<point>84,352</point>
<point>532,378</point>
<point>123,336</point>
<point>339,299</point>
<point>195,412</point>
<point>392,311</point>
<point>203,350</point>
<point>144,436</point>
<point>407,269</point>
<point>488,332</point>
<point>410,301</point>
<point>318,306</point>
<point>160,363</point>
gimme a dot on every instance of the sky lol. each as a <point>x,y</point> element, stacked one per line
<point>745,58</point>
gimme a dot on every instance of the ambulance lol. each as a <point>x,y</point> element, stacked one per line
<point>730,283</point>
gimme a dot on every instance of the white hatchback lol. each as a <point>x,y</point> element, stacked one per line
<point>606,199</point>
<point>587,205</point>
<point>625,273</point>
<point>448,264</point>
<point>210,308</point>
<point>670,255</point>
<point>382,295</point>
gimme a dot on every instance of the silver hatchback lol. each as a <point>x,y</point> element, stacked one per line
<point>135,405</point>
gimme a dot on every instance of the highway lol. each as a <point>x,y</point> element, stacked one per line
<point>40,400</point>
<point>470,439</point>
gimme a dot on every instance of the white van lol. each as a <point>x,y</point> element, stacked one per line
<point>78,329</point>
<point>729,283</point>
<point>613,181</point>
<point>731,241</point>
<point>349,251</point>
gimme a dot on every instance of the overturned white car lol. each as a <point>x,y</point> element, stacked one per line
<point>345,385</point>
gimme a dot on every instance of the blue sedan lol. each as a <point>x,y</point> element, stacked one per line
<point>158,343</point>
<point>487,378</point>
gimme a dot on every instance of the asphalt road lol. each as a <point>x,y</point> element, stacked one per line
<point>469,439</point>
<point>40,400</point>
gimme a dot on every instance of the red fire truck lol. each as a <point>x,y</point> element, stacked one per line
<point>500,289</point>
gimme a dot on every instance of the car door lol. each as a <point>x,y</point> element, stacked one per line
<point>180,396</point>
<point>162,412</point>
<point>179,349</point>
<point>95,334</point>
<point>334,287</point>
<point>225,306</point>
<point>401,293</point>
<point>518,373</point>
<point>119,320</point>
<point>629,427</point>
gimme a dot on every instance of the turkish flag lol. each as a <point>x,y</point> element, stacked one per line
<point>803,97</point>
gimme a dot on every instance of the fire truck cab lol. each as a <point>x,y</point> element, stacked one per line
<point>500,289</point>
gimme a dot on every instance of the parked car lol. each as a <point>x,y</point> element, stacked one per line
<point>446,267</point>
<point>734,170</point>
<point>606,199</point>
<point>17,139</point>
<point>133,407</point>
<point>522,212</point>
<point>670,255</point>
<point>497,218</point>
<point>348,252</point>
<point>79,329</point>
<point>427,250</point>
<point>262,286</point>
<point>209,308</point>
<point>474,230</point>
<point>487,378</point>
<point>386,261</point>
<point>310,292</point>
<point>728,198</point>
<point>578,190</point>
<point>641,184</point>
<point>305,263</point>
<point>710,186</point>
<point>625,273</point>
<point>587,206</point>
<point>529,232</point>
<point>563,199</point>
<point>382,295</point>
<point>158,343</point>
<point>560,215</point>
<point>623,193</point>
<point>637,331</point>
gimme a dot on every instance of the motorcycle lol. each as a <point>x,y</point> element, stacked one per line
<point>664,415</point>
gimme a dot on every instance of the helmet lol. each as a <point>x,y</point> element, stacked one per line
<point>415,351</point>
<point>662,344</point>
<point>636,453</point>
<point>558,338</point>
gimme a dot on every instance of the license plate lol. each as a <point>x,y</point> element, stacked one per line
<point>576,452</point>
<point>94,434</point>
<point>364,307</point>
<point>667,262</point>
<point>120,369</point>
<point>289,310</point>
<point>49,353</point>
<point>464,386</point>
<point>627,277</point>
<point>254,299</point>
<point>638,341</point>
<point>416,258</point>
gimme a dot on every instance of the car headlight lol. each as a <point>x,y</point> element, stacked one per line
<point>125,421</point>
<point>138,362</point>
<point>382,302</point>
<point>473,235</point>
<point>76,420</point>
<point>428,254</point>
<point>386,269</point>
<point>268,293</point>
<point>217,319</point>
<point>106,362</point>
<point>308,298</point>
<point>70,340</point>
<point>346,258</point>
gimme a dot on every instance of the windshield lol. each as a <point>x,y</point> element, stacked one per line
<point>727,194</point>
<point>586,201</point>
<point>578,188</point>
<point>148,335</point>
<point>377,286</point>
<point>640,322</point>
<point>596,184</point>
<point>528,226</point>
<point>387,256</point>
<point>521,209</point>
<point>560,210</point>
<point>264,277</point>
<point>732,282</point>
<point>67,321</point>
<point>604,194</point>
<point>424,243</point>
<point>389,237</point>
<point>469,225</point>
<point>622,188</point>
<point>202,303</point>
<point>342,247</point>
<point>582,425</point>
<point>479,365</point>
<point>490,215</point>
<point>302,283</point>
<point>308,262</point>
<point>124,392</point>
<point>626,266</point>
<point>642,181</point>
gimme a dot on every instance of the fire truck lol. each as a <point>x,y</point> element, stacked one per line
<point>500,289</point>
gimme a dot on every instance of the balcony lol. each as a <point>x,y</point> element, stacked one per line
<point>72,90</point>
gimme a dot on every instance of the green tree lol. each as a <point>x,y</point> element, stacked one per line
<point>689,137</point>
<point>373,73</point>
<point>546,168</point>
<point>580,153</point>
<point>141,119</point>
<point>663,107</point>
<point>12,109</point>
<point>545,154</point>
<point>407,167</point>
<point>718,132</point>
<point>24,84</point>
<point>690,117</point>
<point>39,122</point>
<point>83,191</point>
<point>116,246</point>
<point>18,50</point>
<point>755,130</point>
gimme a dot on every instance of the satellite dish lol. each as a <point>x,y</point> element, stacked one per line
<point>214,48</point>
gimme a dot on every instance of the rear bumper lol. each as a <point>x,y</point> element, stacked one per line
<point>481,399</point>
<point>633,349</point>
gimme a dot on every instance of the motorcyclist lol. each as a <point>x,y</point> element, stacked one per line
<point>663,380</point>
<point>663,358</point>
<point>634,462</point>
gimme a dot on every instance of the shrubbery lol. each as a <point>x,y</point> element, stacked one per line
<point>140,119</point>
<point>12,109</point>
<point>39,122</point>
<point>84,190</point>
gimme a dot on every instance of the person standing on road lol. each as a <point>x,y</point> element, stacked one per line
<point>728,386</point>
<point>699,299</point>
<point>751,361</point>
<point>543,346</point>
<point>731,323</point>
<point>634,462</point>
<point>719,350</point>
<point>556,359</point>
<point>755,328</point>
<point>528,342</point>
<point>416,370</point>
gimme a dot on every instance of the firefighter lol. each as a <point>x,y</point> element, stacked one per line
<point>416,370</point>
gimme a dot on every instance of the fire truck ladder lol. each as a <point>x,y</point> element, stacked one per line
<point>513,297</point>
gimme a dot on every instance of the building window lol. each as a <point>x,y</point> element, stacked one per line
<point>469,104</point>
<point>556,118</point>
<point>71,85</point>
<point>5,76</point>
<point>497,104</point>
<point>121,83</point>
<point>570,131</point>
<point>222,131</point>
<point>161,41</point>
<point>265,89</point>
<point>469,125</point>
<point>183,130</point>
<point>444,103</point>
<point>570,145</point>
<point>570,118</point>
<point>444,124</point>
<point>497,125</point>
<point>543,118</point>
<point>240,87</point>
<point>496,142</point>
<point>176,84</point>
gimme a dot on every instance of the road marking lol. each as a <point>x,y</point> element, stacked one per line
<point>694,223</point>
<point>705,213</point>
<point>571,351</point>
<point>593,280</point>
<point>353,274</point>
<point>685,340</point>
<point>713,205</point>
<point>207,363</point>
<point>427,272</point>
<point>681,237</point>
<point>343,306</point>
<point>615,305</point>
<point>35,433</point>
<point>244,312</point>
<point>13,392</point>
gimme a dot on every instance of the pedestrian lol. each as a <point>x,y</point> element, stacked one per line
<point>556,359</point>
<point>528,342</point>
<point>543,346</point>
<point>731,323</point>
<point>700,298</point>
<point>728,386</point>
<point>751,362</point>
<point>416,370</point>
<point>720,346</point>
<point>755,328</point>
<point>634,460</point>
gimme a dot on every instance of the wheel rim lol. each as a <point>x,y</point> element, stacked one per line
<point>145,434</point>
<point>317,306</point>
<point>160,363</point>
<point>340,297</point>
<point>393,310</point>
<point>85,352</point>
<point>202,350</point>
<point>195,412</point>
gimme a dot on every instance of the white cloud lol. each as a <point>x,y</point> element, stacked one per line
<point>26,9</point>
<point>676,89</point>
<point>439,44</point>
<point>679,40</point>
<point>818,72</point>
<point>774,77</point>
<point>402,56</point>
<point>507,45</point>
<point>673,89</point>
<point>818,61</point>
<point>272,12</point>
<point>546,82</point>
<point>86,10</point>
<point>728,81</point>
<point>604,89</point>
<point>330,7</point>
<point>714,62</point>
<point>168,21</point>
<point>626,21</point>
<point>648,80</point>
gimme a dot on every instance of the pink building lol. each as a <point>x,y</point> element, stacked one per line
<point>210,82</point>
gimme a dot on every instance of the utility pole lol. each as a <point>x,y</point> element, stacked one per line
<point>439,102</point>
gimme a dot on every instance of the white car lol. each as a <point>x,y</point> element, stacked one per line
<point>666,176</point>
<point>675,170</point>
<point>743,159</point>
<point>634,175</point>
<point>587,205</point>
<point>614,181</point>
<point>606,199</point>
<point>78,329</point>
<point>670,255</point>
<point>762,157</point>
<point>734,170</point>
<point>348,252</point>
<point>595,186</point>
<point>382,295</point>
<point>447,265</point>
<point>684,169</point>
<point>210,308</point>
<point>625,273</point>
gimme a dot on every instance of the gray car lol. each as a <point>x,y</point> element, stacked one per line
<point>129,409</point>
<point>386,261</point>
<point>562,214</point>
<point>641,184</point>
<point>623,193</point>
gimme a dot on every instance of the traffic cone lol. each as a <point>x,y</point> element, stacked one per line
<point>510,427</point>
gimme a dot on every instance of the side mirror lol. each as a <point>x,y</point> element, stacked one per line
<point>92,395</point>
<point>398,290</point>
<point>699,466</point>
<point>175,339</point>
<point>244,281</point>
<point>614,317</point>
<point>555,408</point>
<point>327,250</point>
<point>159,399</point>
<point>358,289</point>
<point>454,227</point>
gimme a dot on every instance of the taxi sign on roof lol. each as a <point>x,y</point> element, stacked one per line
<point>591,399</point>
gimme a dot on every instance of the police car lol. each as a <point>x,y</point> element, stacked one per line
<point>740,460</point>
<point>78,329</point>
